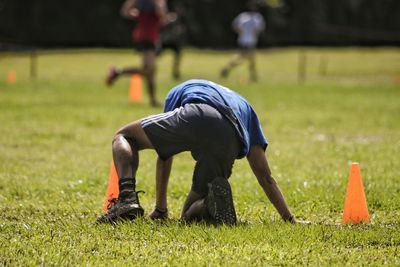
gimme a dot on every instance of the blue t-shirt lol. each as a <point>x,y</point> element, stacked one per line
<point>236,108</point>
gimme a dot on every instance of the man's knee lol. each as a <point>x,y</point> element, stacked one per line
<point>120,138</point>
<point>135,135</point>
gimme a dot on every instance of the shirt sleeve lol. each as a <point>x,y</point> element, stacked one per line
<point>256,134</point>
<point>171,101</point>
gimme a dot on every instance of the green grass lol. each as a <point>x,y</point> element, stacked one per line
<point>55,156</point>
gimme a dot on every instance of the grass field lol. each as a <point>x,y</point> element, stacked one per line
<point>55,156</point>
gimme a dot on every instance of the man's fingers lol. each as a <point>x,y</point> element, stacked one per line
<point>304,222</point>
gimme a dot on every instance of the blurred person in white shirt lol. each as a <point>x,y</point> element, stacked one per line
<point>248,25</point>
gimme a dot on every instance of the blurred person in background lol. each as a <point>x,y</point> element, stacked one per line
<point>248,25</point>
<point>173,37</point>
<point>150,15</point>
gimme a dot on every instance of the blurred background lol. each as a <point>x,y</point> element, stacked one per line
<point>77,23</point>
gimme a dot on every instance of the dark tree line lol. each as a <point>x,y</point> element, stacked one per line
<point>50,23</point>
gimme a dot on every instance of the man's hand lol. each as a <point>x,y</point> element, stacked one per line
<point>129,10</point>
<point>159,214</point>
<point>294,220</point>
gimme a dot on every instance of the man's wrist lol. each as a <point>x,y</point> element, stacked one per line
<point>161,210</point>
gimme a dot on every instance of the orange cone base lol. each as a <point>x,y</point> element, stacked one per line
<point>113,187</point>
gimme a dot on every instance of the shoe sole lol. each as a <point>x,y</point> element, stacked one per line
<point>130,215</point>
<point>219,202</point>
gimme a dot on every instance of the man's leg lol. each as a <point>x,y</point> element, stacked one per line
<point>215,151</point>
<point>235,61</point>
<point>210,197</point>
<point>149,70</point>
<point>252,65</point>
<point>114,73</point>
<point>125,146</point>
<point>176,63</point>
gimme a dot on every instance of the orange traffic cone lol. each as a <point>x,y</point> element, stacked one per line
<point>135,89</point>
<point>11,77</point>
<point>113,187</point>
<point>355,206</point>
<point>396,79</point>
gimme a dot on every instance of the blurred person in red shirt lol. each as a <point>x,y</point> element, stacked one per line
<point>150,15</point>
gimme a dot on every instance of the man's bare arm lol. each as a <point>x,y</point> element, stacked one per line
<point>128,9</point>
<point>259,164</point>
<point>161,10</point>
<point>163,171</point>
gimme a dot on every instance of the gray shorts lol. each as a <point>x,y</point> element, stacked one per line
<point>202,130</point>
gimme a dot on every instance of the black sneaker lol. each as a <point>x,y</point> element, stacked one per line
<point>219,202</point>
<point>125,209</point>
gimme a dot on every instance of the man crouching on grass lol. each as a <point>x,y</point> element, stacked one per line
<point>217,126</point>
